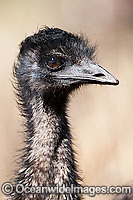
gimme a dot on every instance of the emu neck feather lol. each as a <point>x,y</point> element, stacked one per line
<point>49,154</point>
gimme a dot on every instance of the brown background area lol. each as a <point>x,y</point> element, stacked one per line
<point>101,117</point>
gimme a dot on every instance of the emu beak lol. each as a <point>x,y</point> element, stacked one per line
<point>97,74</point>
<point>89,72</point>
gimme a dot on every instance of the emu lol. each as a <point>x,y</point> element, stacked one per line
<point>51,64</point>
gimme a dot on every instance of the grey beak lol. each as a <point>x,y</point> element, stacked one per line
<point>90,72</point>
<point>99,75</point>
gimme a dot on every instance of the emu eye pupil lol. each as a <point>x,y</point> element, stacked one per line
<point>53,61</point>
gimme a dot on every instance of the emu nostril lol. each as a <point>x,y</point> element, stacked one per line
<point>99,75</point>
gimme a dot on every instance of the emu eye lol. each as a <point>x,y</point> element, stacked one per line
<point>55,64</point>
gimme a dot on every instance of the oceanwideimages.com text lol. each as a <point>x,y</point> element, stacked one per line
<point>8,189</point>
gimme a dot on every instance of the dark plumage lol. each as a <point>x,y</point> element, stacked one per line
<point>51,64</point>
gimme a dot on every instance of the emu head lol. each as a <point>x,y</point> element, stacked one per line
<point>54,60</point>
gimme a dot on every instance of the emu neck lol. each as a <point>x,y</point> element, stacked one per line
<point>51,144</point>
<point>49,157</point>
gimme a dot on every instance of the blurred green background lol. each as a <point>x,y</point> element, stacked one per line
<point>101,117</point>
